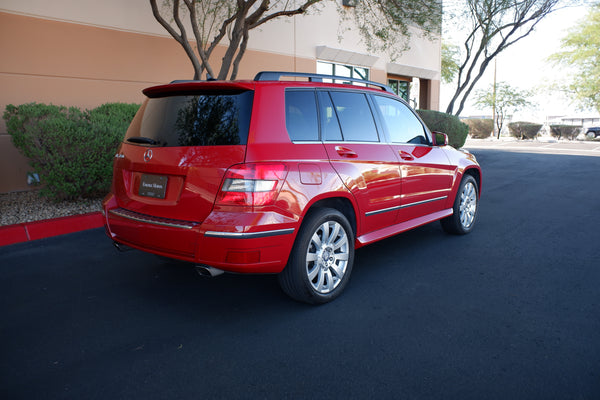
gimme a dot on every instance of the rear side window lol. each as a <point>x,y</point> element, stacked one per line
<point>401,123</point>
<point>354,114</point>
<point>197,120</point>
<point>301,115</point>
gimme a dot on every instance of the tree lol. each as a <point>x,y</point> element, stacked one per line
<point>505,100</point>
<point>494,25</point>
<point>385,25</point>
<point>450,61</point>
<point>217,18</point>
<point>581,53</point>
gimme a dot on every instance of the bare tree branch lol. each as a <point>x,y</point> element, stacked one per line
<point>497,24</point>
<point>181,37</point>
<point>300,10</point>
<point>384,24</point>
<point>191,5</point>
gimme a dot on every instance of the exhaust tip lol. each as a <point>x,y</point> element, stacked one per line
<point>208,272</point>
<point>122,247</point>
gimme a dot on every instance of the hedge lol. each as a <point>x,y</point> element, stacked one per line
<point>449,124</point>
<point>70,149</point>
<point>567,131</point>
<point>480,128</point>
<point>524,130</point>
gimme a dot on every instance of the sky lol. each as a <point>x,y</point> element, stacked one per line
<point>524,65</point>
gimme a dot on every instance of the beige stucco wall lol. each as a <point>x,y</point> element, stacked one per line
<point>125,15</point>
<point>63,63</point>
<point>49,61</point>
<point>297,36</point>
<point>85,53</point>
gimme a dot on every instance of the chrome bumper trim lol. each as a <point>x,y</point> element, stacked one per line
<point>173,223</point>
<point>248,235</point>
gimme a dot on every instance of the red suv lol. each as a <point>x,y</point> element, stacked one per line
<point>285,177</point>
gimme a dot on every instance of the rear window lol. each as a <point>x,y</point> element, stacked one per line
<point>196,120</point>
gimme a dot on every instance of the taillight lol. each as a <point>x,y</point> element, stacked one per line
<point>252,184</point>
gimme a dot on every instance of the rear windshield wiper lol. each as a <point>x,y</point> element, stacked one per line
<point>142,140</point>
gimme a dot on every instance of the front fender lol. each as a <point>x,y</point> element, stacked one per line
<point>466,164</point>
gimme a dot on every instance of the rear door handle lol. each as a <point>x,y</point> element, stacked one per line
<point>345,152</point>
<point>406,156</point>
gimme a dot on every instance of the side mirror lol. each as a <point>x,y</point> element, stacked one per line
<point>439,139</point>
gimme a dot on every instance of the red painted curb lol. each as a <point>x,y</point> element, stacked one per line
<point>18,233</point>
<point>13,234</point>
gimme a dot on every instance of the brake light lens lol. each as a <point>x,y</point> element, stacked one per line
<point>252,184</point>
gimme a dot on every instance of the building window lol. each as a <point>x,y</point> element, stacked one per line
<point>401,88</point>
<point>328,68</point>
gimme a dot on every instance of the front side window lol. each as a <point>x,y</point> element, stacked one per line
<point>401,123</point>
<point>301,115</point>
<point>195,120</point>
<point>356,119</point>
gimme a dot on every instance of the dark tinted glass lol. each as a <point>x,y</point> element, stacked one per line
<point>301,115</point>
<point>330,127</point>
<point>355,117</point>
<point>198,120</point>
<point>401,123</point>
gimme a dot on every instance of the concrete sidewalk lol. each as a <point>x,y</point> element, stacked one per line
<point>542,145</point>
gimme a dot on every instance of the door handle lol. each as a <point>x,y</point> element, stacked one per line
<point>345,152</point>
<point>406,156</point>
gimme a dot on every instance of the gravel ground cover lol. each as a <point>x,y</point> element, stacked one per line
<point>20,207</point>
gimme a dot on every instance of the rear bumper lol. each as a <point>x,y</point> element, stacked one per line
<point>218,242</point>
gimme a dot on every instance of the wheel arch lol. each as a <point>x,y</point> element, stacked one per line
<point>471,170</point>
<point>317,280</point>
<point>341,204</point>
<point>476,174</point>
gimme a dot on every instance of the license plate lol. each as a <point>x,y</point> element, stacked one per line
<point>153,186</point>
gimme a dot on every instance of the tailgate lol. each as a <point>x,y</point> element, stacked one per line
<point>178,147</point>
<point>178,183</point>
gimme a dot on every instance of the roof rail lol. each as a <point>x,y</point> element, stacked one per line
<point>276,76</point>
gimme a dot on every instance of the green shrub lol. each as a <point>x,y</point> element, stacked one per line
<point>524,130</point>
<point>480,128</point>
<point>567,131</point>
<point>449,124</point>
<point>70,149</point>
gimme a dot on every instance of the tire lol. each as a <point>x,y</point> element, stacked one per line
<point>318,270</point>
<point>466,205</point>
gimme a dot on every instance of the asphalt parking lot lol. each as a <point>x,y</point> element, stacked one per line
<point>511,311</point>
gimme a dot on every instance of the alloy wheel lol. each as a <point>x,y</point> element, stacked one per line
<point>327,257</point>
<point>468,205</point>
